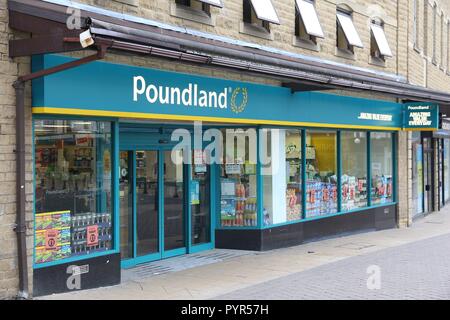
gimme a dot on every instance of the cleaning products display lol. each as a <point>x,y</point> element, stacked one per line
<point>238,209</point>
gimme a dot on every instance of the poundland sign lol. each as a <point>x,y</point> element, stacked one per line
<point>421,116</point>
<point>191,95</point>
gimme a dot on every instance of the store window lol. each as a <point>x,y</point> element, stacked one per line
<point>73,183</point>
<point>238,179</point>
<point>381,167</point>
<point>354,169</point>
<point>281,162</point>
<point>321,173</point>
<point>307,25</point>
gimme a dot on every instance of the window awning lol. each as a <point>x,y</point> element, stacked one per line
<point>129,34</point>
<point>349,29</point>
<point>381,40</point>
<point>265,10</point>
<point>216,3</point>
<point>310,19</point>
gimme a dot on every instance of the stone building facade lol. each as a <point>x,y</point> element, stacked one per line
<point>418,33</point>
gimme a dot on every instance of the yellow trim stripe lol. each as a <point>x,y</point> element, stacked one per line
<point>156,116</point>
<point>420,129</point>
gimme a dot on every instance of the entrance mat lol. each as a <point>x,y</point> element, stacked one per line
<point>180,263</point>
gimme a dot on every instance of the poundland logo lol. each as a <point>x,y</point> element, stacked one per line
<point>190,96</point>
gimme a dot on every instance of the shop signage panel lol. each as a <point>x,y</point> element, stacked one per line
<point>421,116</point>
<point>108,89</point>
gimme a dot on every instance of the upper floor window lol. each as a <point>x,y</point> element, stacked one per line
<point>379,46</point>
<point>260,13</point>
<point>442,40</point>
<point>307,25</point>
<point>347,37</point>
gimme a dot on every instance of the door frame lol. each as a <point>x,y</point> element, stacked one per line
<point>187,177</point>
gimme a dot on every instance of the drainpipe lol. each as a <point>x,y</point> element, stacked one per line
<point>20,227</point>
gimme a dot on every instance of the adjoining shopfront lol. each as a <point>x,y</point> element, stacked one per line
<point>272,168</point>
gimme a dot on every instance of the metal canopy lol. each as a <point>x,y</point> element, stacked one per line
<point>47,24</point>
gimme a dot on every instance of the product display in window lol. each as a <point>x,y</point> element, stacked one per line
<point>354,192</point>
<point>238,206</point>
<point>321,184</point>
<point>354,169</point>
<point>382,167</point>
<point>73,189</point>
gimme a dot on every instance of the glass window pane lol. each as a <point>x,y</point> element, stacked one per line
<point>238,179</point>
<point>381,166</point>
<point>73,188</point>
<point>265,10</point>
<point>417,172</point>
<point>200,200</point>
<point>216,3</point>
<point>349,29</point>
<point>126,204</point>
<point>380,38</point>
<point>354,169</point>
<point>174,230</point>
<point>281,174</point>
<point>310,18</point>
<point>321,169</point>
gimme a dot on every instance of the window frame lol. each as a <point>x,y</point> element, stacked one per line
<point>341,35</point>
<point>375,50</point>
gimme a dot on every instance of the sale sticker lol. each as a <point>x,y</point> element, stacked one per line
<point>92,235</point>
<point>51,239</point>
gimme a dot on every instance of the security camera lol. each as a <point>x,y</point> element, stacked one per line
<point>86,39</point>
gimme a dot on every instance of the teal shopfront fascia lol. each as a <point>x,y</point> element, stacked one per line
<point>110,193</point>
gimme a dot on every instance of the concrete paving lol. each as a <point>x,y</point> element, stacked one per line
<point>412,263</point>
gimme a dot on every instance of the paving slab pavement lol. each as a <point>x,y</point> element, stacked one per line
<point>251,270</point>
